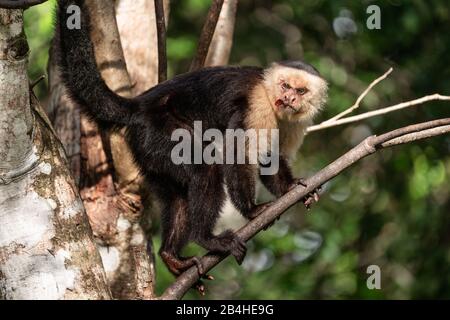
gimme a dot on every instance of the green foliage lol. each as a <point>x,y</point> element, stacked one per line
<point>39,30</point>
<point>390,209</point>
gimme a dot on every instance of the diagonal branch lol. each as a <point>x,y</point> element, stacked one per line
<point>207,35</point>
<point>161,34</point>
<point>19,4</point>
<point>367,147</point>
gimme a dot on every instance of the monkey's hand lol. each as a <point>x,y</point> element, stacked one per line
<point>200,286</point>
<point>310,198</point>
<point>297,182</point>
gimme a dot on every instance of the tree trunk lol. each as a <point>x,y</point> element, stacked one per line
<point>222,41</point>
<point>109,182</point>
<point>46,244</point>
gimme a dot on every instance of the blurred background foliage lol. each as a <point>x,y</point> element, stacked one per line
<point>391,209</point>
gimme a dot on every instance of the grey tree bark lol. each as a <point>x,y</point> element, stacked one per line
<point>46,244</point>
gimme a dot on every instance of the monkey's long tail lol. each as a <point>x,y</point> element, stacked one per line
<point>79,71</point>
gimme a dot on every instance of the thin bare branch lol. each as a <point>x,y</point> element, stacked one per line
<point>360,98</point>
<point>378,112</point>
<point>410,137</point>
<point>19,4</point>
<point>36,82</point>
<point>368,146</point>
<point>207,34</point>
<point>161,32</point>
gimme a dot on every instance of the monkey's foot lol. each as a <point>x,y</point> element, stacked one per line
<point>226,242</point>
<point>231,243</point>
<point>178,265</point>
<point>199,285</point>
<point>234,245</point>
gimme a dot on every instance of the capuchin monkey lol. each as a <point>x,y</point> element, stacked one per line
<point>285,96</point>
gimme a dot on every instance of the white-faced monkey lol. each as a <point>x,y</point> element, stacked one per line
<point>285,96</point>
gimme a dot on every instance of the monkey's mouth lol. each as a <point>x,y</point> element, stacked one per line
<point>287,107</point>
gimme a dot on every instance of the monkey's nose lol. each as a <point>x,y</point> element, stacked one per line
<point>289,99</point>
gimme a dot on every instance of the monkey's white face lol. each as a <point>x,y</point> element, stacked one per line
<point>295,94</point>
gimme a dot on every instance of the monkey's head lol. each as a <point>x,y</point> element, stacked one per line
<point>296,90</point>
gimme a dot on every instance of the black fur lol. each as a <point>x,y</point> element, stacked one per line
<point>79,72</point>
<point>192,195</point>
<point>278,184</point>
<point>297,64</point>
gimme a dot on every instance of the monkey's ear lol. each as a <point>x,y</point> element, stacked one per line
<point>274,64</point>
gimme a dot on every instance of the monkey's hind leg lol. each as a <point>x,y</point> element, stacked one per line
<point>177,230</point>
<point>175,235</point>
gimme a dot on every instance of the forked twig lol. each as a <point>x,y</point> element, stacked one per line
<point>360,98</point>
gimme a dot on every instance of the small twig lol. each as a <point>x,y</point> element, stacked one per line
<point>368,146</point>
<point>36,82</point>
<point>374,113</point>
<point>360,98</point>
<point>19,4</point>
<point>207,34</point>
<point>161,34</point>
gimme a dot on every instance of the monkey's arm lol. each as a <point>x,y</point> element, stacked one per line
<point>281,182</point>
<point>240,179</point>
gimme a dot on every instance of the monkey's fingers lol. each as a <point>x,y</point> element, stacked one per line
<point>208,277</point>
<point>198,263</point>
<point>308,202</point>
<point>301,182</point>
<point>316,196</point>
<point>200,287</point>
<point>298,182</point>
<point>191,261</point>
<point>311,198</point>
<point>239,250</point>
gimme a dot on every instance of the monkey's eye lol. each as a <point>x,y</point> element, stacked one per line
<point>302,91</point>
<point>285,86</point>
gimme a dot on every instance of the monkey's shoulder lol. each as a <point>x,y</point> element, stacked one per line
<point>215,92</point>
<point>212,81</point>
